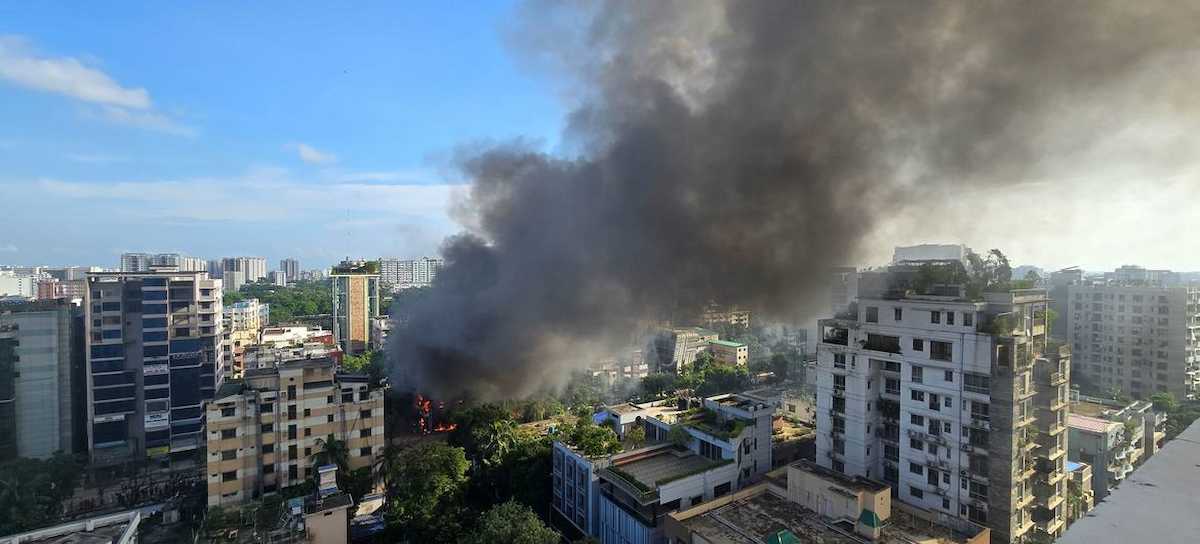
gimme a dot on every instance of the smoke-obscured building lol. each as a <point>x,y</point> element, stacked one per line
<point>677,348</point>
<point>958,404</point>
<point>1138,339</point>
<point>264,430</point>
<point>41,379</point>
<point>153,348</point>
<point>409,273</point>
<point>355,302</point>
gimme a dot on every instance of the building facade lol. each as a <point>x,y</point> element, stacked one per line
<point>1136,339</point>
<point>290,269</point>
<point>143,262</point>
<point>154,357</point>
<point>730,353</point>
<point>678,348</point>
<point>40,374</point>
<point>935,395</point>
<point>254,268</point>
<point>265,431</point>
<point>355,303</point>
<point>410,273</point>
<point>18,285</point>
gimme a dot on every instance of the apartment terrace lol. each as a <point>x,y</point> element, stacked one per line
<point>640,473</point>
<point>757,515</point>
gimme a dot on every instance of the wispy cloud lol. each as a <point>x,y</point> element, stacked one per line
<point>310,154</point>
<point>256,197</point>
<point>22,66</point>
<point>95,158</point>
<point>8,248</point>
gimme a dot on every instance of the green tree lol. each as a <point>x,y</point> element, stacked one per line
<point>780,365</point>
<point>492,442</point>
<point>425,492</point>
<point>513,523</point>
<point>1164,402</point>
<point>357,363</point>
<point>331,451</point>
<point>679,436</point>
<point>636,436</point>
<point>658,385</point>
<point>594,440</point>
<point>32,491</point>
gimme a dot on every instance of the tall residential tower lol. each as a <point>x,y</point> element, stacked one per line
<point>355,301</point>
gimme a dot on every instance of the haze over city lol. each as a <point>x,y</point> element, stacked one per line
<point>600,272</point>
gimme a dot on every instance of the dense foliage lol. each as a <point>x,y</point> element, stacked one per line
<point>303,298</point>
<point>514,523</point>
<point>32,491</point>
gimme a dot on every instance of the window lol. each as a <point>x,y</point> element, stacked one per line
<point>307,412</point>
<point>918,395</point>
<point>917,374</point>
<point>916,420</point>
<point>308,452</point>
<point>367,413</point>
<point>228,455</point>
<point>268,448</point>
<point>293,473</point>
<point>898,313</point>
<point>872,314</point>
<point>940,351</point>
<point>935,317</point>
<point>363,394</point>
<point>915,468</point>
<point>267,408</point>
<point>307,431</point>
<point>918,344</point>
<point>977,383</point>
<point>949,318</point>
<point>945,501</point>
<point>268,428</point>
<point>228,412</point>
<point>839,360</point>
<point>364,452</point>
<point>949,376</point>
<point>269,468</point>
<point>968,319</point>
<point>329,418</point>
<point>916,444</point>
<point>916,492</point>
<point>228,433</point>
<point>947,402</point>
<point>364,432</point>
<point>229,476</point>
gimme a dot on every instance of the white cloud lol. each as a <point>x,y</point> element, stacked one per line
<point>95,158</point>
<point>148,120</point>
<point>66,76</point>
<point>312,155</point>
<point>69,77</point>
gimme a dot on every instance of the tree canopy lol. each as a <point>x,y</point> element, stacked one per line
<point>425,491</point>
<point>32,491</point>
<point>299,299</point>
<point>514,523</point>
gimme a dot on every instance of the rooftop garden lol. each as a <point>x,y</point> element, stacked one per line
<point>710,422</point>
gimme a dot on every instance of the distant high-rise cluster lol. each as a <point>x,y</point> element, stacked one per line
<point>409,273</point>
<point>290,269</point>
<point>143,262</point>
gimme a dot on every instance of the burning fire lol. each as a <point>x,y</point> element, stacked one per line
<point>425,421</point>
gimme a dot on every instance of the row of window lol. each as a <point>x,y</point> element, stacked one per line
<point>935,316</point>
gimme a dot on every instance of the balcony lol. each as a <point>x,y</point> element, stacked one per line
<point>978,423</point>
<point>1055,428</point>
<point>1058,378</point>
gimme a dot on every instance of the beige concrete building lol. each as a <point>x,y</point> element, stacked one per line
<point>730,353</point>
<point>263,430</point>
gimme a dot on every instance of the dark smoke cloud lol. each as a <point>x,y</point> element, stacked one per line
<point>732,151</point>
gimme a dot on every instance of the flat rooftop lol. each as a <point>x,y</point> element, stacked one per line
<point>664,465</point>
<point>753,519</point>
<point>105,530</point>
<point>1156,503</point>
<point>727,343</point>
<point>1088,423</point>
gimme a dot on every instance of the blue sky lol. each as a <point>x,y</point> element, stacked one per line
<point>276,130</point>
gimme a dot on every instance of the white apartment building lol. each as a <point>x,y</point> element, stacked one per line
<point>254,268</point>
<point>1139,339</point>
<point>142,262</point>
<point>408,273</point>
<point>17,285</point>
<point>290,269</point>
<point>936,396</point>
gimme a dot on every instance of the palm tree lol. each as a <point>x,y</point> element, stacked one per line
<point>493,441</point>
<point>331,451</point>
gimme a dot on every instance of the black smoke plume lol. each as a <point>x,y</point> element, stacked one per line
<point>731,151</point>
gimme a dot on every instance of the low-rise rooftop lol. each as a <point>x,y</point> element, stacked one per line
<point>760,515</point>
<point>1088,423</point>
<point>727,343</point>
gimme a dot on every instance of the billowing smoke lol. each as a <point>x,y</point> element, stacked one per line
<point>732,151</point>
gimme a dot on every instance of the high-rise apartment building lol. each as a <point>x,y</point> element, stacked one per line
<point>675,349</point>
<point>143,262</point>
<point>18,285</point>
<point>153,348</point>
<point>254,268</point>
<point>40,376</point>
<point>264,430</point>
<point>1136,338</point>
<point>408,273</point>
<point>355,302</point>
<point>290,269</point>
<point>959,404</point>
